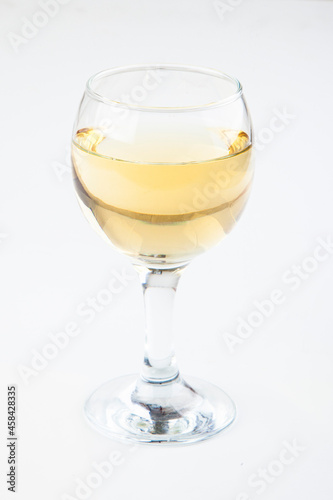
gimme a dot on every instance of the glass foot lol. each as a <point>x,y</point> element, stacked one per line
<point>176,412</point>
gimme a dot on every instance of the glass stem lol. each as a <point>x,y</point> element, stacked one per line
<point>159,290</point>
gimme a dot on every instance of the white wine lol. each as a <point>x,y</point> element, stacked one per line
<point>163,205</point>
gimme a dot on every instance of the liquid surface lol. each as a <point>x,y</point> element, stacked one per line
<point>168,210</point>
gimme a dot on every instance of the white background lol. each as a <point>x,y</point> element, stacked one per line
<point>281,377</point>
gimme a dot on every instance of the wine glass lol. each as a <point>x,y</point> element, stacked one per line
<point>162,168</point>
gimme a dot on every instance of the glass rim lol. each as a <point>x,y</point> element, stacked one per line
<point>171,67</point>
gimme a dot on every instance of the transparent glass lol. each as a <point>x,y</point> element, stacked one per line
<point>162,164</point>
